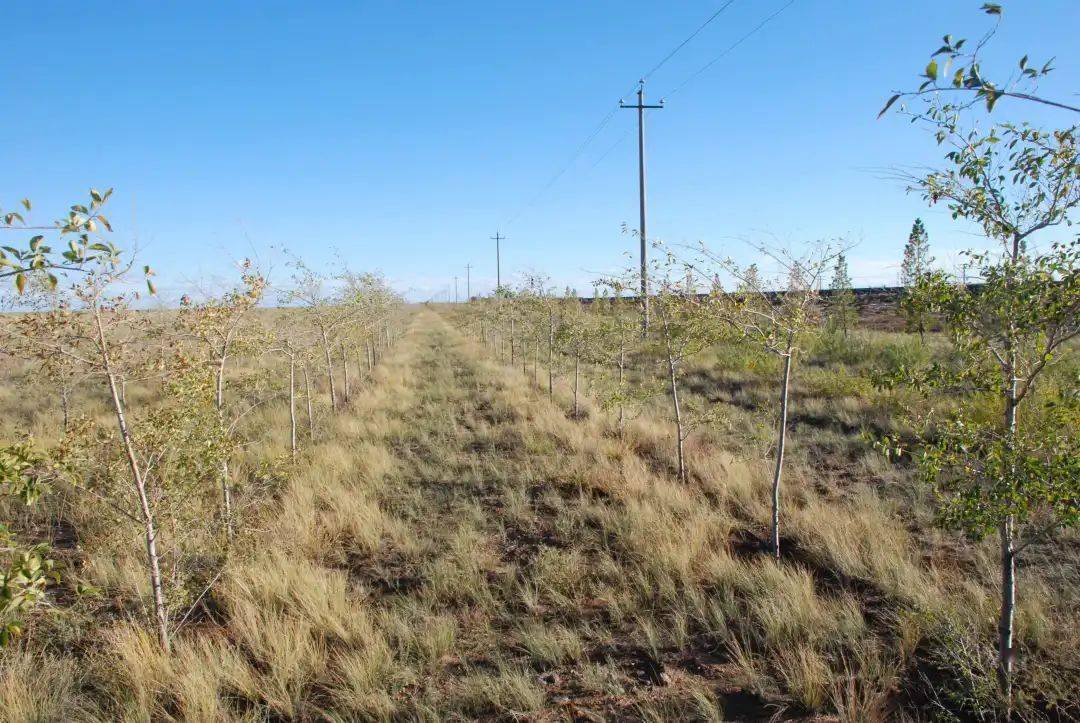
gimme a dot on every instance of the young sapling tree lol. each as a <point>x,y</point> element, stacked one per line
<point>916,264</point>
<point>683,328</point>
<point>1020,185</point>
<point>841,311</point>
<point>774,322</point>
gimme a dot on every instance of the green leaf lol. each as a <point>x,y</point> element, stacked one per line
<point>20,282</point>
<point>888,104</point>
<point>991,9</point>
<point>931,70</point>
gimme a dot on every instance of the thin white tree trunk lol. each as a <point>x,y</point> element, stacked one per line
<point>1006,532</point>
<point>292,406</point>
<point>330,372</point>
<point>577,380</point>
<point>219,405</point>
<point>1006,652</point>
<point>64,407</point>
<point>226,499</point>
<point>672,378</point>
<point>550,359</point>
<point>622,376</point>
<point>310,412</point>
<point>219,385</point>
<point>780,442</point>
<point>149,530</point>
<point>345,372</point>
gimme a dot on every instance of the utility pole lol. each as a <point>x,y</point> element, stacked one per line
<point>498,261</point>
<point>468,283</point>
<point>455,290</point>
<point>641,108</point>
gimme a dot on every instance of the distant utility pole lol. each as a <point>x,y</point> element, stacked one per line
<point>468,283</point>
<point>455,290</point>
<point>641,108</point>
<point>498,261</point>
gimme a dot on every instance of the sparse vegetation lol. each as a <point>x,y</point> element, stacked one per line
<point>314,501</point>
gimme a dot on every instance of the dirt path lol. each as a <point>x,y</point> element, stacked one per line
<point>458,547</point>
<point>509,554</point>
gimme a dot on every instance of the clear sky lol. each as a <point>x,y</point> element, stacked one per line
<point>400,135</point>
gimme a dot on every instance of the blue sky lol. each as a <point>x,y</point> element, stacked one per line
<point>400,135</point>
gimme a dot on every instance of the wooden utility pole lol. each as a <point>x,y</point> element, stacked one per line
<point>468,283</point>
<point>498,260</point>
<point>641,108</point>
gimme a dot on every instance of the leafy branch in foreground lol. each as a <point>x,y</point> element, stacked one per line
<point>24,570</point>
<point>1013,181</point>
<point>75,231</point>
<point>961,72</point>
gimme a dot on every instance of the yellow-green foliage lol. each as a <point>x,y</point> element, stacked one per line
<point>454,546</point>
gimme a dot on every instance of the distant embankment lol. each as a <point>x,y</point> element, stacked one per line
<point>878,306</point>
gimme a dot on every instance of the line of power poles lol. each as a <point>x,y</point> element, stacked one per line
<point>468,285</point>
<point>641,106</point>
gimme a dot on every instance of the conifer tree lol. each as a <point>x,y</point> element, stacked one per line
<point>915,265</point>
<point>842,313</point>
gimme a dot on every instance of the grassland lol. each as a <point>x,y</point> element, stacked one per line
<point>456,545</point>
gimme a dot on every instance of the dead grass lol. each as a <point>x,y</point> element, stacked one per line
<point>456,547</point>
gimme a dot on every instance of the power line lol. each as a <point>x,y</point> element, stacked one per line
<point>566,166</point>
<point>611,114</point>
<point>730,48</point>
<point>690,37</point>
<point>612,111</point>
<point>611,148</point>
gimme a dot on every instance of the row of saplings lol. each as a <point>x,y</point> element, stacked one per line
<point>1002,451</point>
<point>990,474</point>
<point>158,407</point>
